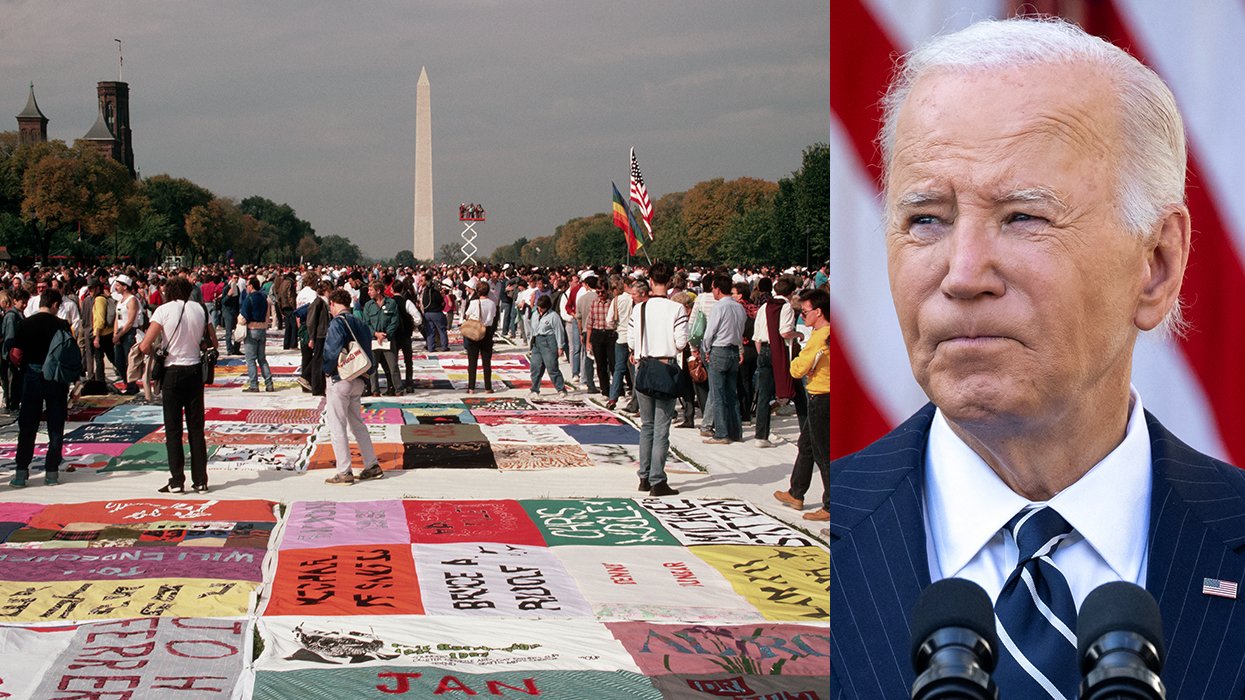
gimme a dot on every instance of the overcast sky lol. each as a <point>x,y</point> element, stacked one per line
<point>534,104</point>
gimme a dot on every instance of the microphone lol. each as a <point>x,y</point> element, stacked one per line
<point>1119,642</point>
<point>954,643</point>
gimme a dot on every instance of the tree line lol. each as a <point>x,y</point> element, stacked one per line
<point>746,221</point>
<point>60,200</point>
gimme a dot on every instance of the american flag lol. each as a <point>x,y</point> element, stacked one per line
<point>1218,587</point>
<point>1196,384</point>
<point>639,195</point>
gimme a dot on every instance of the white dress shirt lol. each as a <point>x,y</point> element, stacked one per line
<point>967,505</point>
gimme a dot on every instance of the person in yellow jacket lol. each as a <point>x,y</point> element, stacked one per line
<point>101,330</point>
<point>813,365</point>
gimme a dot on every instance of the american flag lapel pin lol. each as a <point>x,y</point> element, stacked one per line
<point>1219,587</point>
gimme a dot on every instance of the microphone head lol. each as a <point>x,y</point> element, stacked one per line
<point>953,602</point>
<point>1115,607</point>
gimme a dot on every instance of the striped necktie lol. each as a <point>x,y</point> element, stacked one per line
<point>1035,613</point>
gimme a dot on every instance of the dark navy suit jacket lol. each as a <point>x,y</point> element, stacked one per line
<point>879,564</point>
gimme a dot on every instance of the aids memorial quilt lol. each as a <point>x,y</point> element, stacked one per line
<point>560,598</point>
<point>101,560</point>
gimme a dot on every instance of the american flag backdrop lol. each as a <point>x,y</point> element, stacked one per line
<point>639,195</point>
<point>1195,385</point>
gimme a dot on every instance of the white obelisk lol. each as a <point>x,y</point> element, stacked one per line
<point>423,247</point>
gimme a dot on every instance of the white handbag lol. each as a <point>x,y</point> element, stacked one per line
<point>239,330</point>
<point>352,363</point>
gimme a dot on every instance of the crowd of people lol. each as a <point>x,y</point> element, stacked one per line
<point>732,337</point>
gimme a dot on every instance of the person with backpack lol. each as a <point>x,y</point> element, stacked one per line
<point>343,412</point>
<point>45,339</point>
<point>10,329</point>
<point>182,327</point>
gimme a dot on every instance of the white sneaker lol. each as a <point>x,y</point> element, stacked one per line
<point>762,442</point>
<point>533,396</point>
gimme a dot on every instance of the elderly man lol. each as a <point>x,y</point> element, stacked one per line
<point>1035,224</point>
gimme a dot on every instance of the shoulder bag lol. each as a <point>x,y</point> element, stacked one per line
<point>208,355</point>
<point>658,377</point>
<point>472,329</point>
<point>352,362</point>
<point>161,354</point>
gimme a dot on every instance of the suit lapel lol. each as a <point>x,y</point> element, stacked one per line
<point>878,561</point>
<point>1197,531</point>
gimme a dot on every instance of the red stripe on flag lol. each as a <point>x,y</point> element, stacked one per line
<point>1214,284</point>
<point>854,419</point>
<point>861,57</point>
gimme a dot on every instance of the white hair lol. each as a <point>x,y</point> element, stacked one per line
<point>1152,148</point>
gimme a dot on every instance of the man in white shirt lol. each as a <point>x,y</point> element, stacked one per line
<point>658,332</point>
<point>1035,225</point>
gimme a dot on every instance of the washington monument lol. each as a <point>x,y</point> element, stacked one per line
<point>423,247</point>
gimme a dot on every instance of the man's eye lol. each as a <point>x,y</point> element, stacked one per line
<point>1021,217</point>
<point>922,220</point>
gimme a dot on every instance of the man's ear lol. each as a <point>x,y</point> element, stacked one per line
<point>1166,257</point>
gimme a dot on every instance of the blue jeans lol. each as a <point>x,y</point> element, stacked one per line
<point>656,415</point>
<point>435,334</point>
<point>545,356</point>
<point>764,382</point>
<point>723,376</point>
<point>587,366</point>
<point>622,369</point>
<point>230,321</point>
<point>507,319</point>
<point>256,356</point>
<point>574,349</point>
<point>121,354</point>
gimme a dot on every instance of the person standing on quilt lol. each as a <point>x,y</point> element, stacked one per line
<point>254,311</point>
<point>548,336</point>
<point>29,352</point>
<point>183,327</point>
<point>343,410</point>
<point>658,329</point>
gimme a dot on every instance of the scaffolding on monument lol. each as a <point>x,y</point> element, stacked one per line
<point>470,215</point>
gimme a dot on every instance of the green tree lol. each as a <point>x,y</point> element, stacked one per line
<point>449,253</point>
<point>709,207</point>
<point>215,228</point>
<point>509,252</point>
<point>812,196</point>
<point>284,226</point>
<point>76,189</point>
<point>172,198</point>
<point>669,242</point>
<point>404,258</point>
<point>309,248</point>
<point>149,237</point>
<point>749,239</point>
<point>539,251</point>
<point>338,250</point>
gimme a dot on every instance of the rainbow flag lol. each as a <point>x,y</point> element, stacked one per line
<point>624,221</point>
